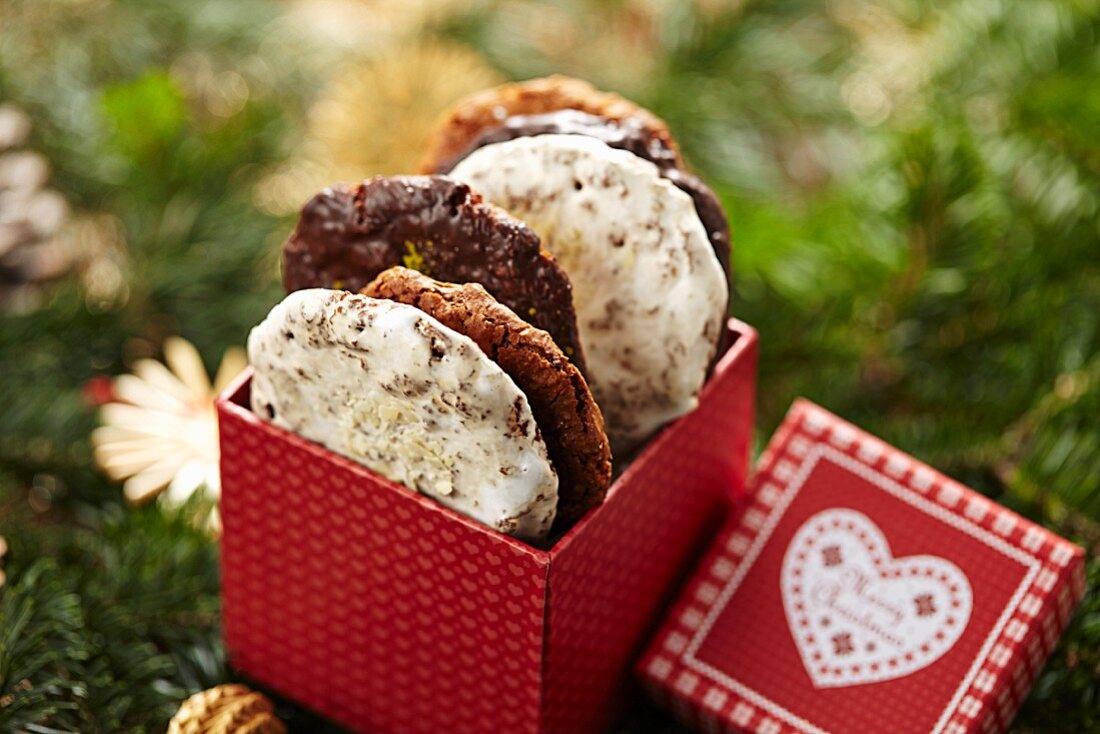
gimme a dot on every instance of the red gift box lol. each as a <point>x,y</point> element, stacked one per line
<point>385,611</point>
<point>855,589</point>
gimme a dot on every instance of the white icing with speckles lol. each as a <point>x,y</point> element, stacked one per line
<point>388,386</point>
<point>649,291</point>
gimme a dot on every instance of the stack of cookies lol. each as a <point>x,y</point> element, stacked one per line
<point>552,288</point>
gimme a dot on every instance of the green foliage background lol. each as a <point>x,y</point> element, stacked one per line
<point>914,189</point>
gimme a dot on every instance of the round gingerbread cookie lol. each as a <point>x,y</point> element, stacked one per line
<point>347,235</point>
<point>388,386</point>
<point>650,294</point>
<point>491,107</point>
<point>627,134</point>
<point>570,421</point>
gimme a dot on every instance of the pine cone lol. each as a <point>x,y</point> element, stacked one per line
<point>30,217</point>
<point>3,552</point>
<point>228,709</point>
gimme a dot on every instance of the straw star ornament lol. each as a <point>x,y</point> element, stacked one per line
<point>352,131</point>
<point>160,434</point>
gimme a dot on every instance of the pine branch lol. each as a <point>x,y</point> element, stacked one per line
<point>40,637</point>
<point>112,634</point>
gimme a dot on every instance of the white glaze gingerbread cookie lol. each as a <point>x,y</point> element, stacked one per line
<point>649,291</point>
<point>388,386</point>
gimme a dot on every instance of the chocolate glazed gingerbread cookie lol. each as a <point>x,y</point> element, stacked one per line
<point>628,134</point>
<point>568,417</point>
<point>347,235</point>
<point>489,108</point>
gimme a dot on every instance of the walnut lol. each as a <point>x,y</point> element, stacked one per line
<point>227,709</point>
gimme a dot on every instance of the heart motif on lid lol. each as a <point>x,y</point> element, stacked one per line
<point>859,615</point>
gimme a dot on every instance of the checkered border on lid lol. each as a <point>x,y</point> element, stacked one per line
<point>1011,658</point>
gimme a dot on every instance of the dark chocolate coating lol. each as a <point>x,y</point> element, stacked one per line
<point>347,235</point>
<point>627,134</point>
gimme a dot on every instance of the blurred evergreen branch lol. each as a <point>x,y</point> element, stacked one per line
<point>129,138</point>
<point>106,623</point>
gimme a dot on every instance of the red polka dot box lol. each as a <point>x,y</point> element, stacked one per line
<point>855,589</point>
<point>391,614</point>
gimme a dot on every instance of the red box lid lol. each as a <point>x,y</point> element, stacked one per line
<point>856,589</point>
